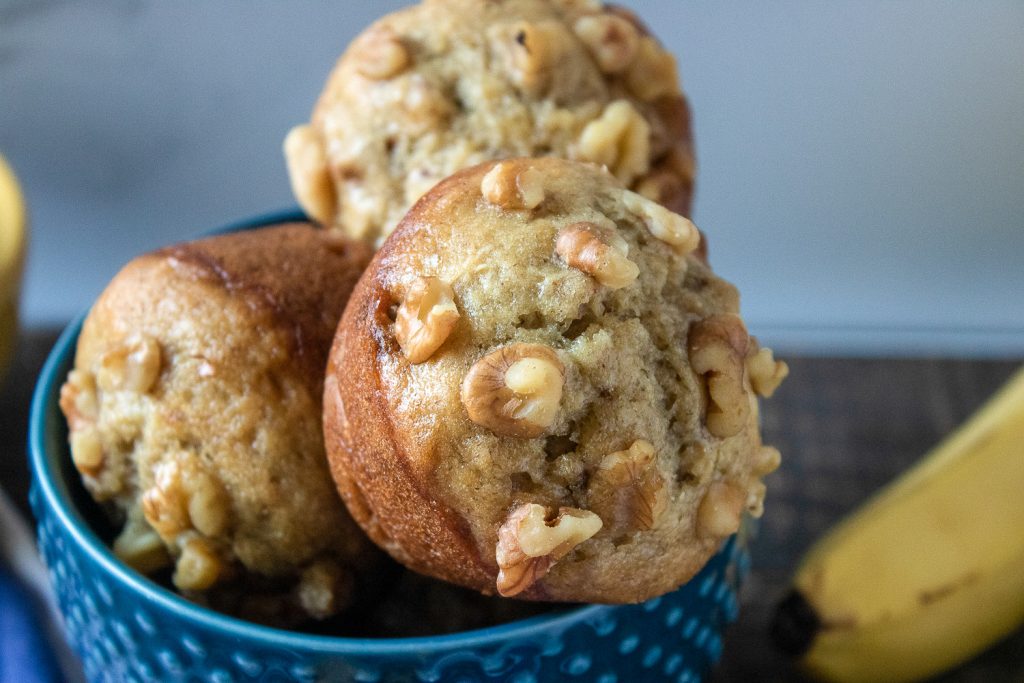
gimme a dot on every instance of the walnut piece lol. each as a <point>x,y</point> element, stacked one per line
<point>765,461</point>
<point>755,499</point>
<point>132,366</point>
<point>531,51</point>
<point>309,173</point>
<point>719,513</point>
<point>379,54</point>
<point>611,40</point>
<point>86,450</point>
<point>140,547</point>
<point>652,73</point>
<point>184,497</point>
<point>766,373</point>
<point>78,399</point>
<point>666,225</point>
<point>529,543</point>
<point>619,139</point>
<point>597,252</point>
<point>504,187</point>
<point>628,490</point>
<point>198,567</point>
<point>425,319</point>
<point>717,349</point>
<point>324,589</point>
<point>515,390</point>
<point>165,504</point>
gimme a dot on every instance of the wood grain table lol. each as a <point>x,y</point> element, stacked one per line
<point>845,427</point>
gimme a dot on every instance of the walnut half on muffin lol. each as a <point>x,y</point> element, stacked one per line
<point>194,414</point>
<point>446,84</point>
<point>539,389</point>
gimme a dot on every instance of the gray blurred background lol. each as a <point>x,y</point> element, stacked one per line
<point>861,163</point>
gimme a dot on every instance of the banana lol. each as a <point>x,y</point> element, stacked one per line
<point>927,573</point>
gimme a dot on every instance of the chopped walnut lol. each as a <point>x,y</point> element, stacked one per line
<point>184,497</point>
<point>529,543</point>
<point>324,589</point>
<point>666,225</point>
<point>198,567</point>
<point>207,504</point>
<point>611,40</point>
<point>765,461</point>
<point>504,187</point>
<point>132,366</point>
<point>628,489</point>
<point>165,504</point>
<point>425,319</point>
<point>720,510</point>
<point>531,52</point>
<point>618,139</point>
<point>755,499</point>
<point>766,373</point>
<point>515,390</point>
<point>653,72</point>
<point>140,547</point>
<point>86,450</point>
<point>597,252</point>
<point>379,54</point>
<point>78,399</point>
<point>717,348</point>
<point>309,173</point>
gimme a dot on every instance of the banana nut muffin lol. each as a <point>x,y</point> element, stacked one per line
<point>447,84</point>
<point>194,414</point>
<point>539,389</point>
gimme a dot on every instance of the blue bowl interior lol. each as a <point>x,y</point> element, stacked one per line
<point>75,537</point>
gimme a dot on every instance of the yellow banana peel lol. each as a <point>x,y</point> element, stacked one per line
<point>927,573</point>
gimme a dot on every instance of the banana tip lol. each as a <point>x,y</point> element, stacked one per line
<point>794,625</point>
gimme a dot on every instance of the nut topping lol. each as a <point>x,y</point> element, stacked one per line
<point>611,40</point>
<point>164,504</point>
<point>133,366</point>
<point>86,451</point>
<point>198,568</point>
<point>618,139</point>
<point>140,547</point>
<point>503,187</point>
<point>78,399</point>
<point>529,543</point>
<point>597,252</point>
<point>308,171</point>
<point>515,390</point>
<point>426,318</point>
<point>531,51</point>
<point>718,346</point>
<point>379,54</point>
<point>628,488</point>
<point>719,513</point>
<point>755,499</point>
<point>666,225</point>
<point>766,373</point>
<point>765,461</point>
<point>653,72</point>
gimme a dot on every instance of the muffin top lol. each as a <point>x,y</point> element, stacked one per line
<point>194,414</point>
<point>447,84</point>
<point>539,389</point>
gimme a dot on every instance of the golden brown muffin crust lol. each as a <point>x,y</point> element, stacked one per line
<point>646,415</point>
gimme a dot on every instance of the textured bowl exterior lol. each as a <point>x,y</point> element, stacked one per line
<point>127,628</point>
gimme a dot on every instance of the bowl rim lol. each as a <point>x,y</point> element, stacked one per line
<point>45,478</point>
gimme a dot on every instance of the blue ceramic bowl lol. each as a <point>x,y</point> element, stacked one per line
<point>126,627</point>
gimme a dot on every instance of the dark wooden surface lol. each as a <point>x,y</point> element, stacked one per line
<point>845,427</point>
